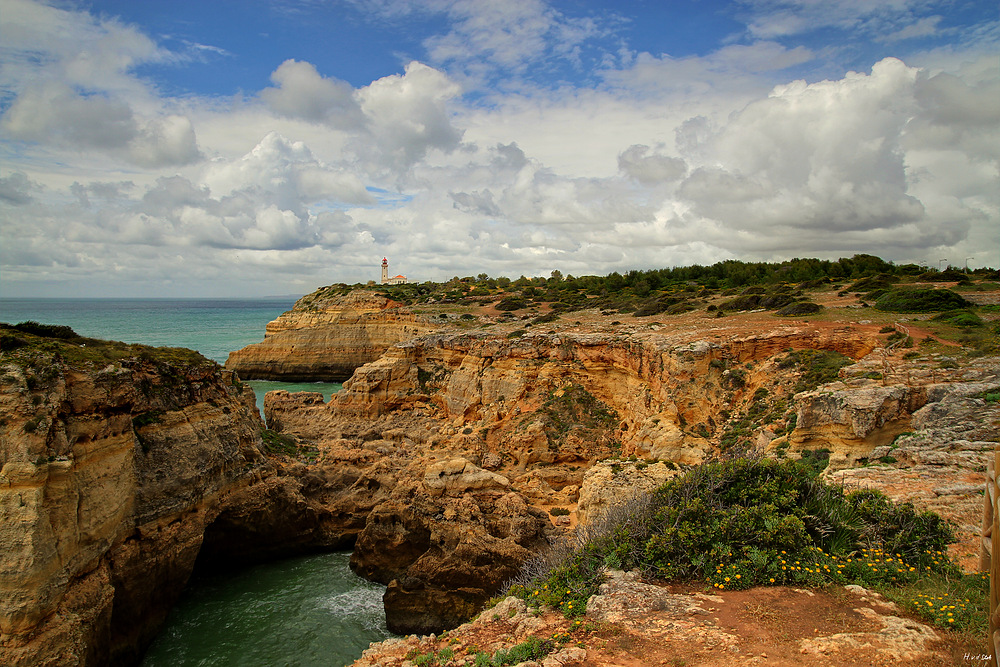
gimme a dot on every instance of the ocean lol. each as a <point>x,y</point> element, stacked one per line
<point>304,611</point>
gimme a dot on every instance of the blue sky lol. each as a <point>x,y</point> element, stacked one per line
<point>254,147</point>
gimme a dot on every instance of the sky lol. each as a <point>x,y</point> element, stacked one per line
<point>242,148</point>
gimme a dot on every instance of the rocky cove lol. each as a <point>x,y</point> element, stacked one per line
<point>442,460</point>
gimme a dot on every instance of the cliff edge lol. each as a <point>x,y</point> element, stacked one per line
<point>327,335</point>
<point>113,460</point>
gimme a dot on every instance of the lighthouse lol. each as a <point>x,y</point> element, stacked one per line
<point>395,280</point>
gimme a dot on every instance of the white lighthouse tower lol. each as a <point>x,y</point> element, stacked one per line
<point>395,280</point>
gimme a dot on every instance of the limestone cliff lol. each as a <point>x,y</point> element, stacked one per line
<point>457,443</point>
<point>114,459</point>
<point>326,336</point>
<point>663,394</point>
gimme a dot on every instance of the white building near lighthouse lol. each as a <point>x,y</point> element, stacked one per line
<point>386,280</point>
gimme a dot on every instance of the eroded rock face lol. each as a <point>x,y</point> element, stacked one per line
<point>462,443</point>
<point>443,555</point>
<point>109,477</point>
<point>612,483</point>
<point>940,464</point>
<point>326,336</point>
<point>465,559</point>
<point>852,421</point>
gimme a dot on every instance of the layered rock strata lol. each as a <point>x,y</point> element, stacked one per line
<point>661,390</point>
<point>458,443</point>
<point>111,470</point>
<point>326,336</point>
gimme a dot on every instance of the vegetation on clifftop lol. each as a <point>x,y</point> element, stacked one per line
<point>723,288</point>
<point>759,522</point>
<point>31,343</point>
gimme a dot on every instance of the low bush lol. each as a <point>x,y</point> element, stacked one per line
<point>948,275</point>
<point>511,303</point>
<point>799,308</point>
<point>960,318</point>
<point>881,281</point>
<point>743,523</point>
<point>921,301</point>
<point>770,301</point>
<point>46,330</point>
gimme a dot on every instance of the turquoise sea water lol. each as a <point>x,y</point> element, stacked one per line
<point>303,611</point>
<point>214,327</point>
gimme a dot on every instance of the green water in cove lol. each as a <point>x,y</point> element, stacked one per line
<point>304,611</point>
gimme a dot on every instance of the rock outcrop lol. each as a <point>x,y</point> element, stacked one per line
<point>114,461</point>
<point>851,421</point>
<point>459,443</point>
<point>939,463</point>
<point>665,393</point>
<point>327,335</point>
<point>609,484</point>
<point>635,622</point>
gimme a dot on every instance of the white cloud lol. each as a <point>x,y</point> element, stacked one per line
<point>510,35</point>
<point>56,114</point>
<point>650,169</point>
<point>286,173</point>
<point>407,115</point>
<point>16,189</point>
<point>666,160</point>
<point>78,49</point>
<point>302,93</point>
<point>69,82</point>
<point>767,19</point>
<point>500,41</point>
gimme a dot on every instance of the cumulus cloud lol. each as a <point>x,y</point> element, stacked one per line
<point>58,116</point>
<point>407,114</point>
<point>637,162</point>
<point>16,189</point>
<point>301,92</point>
<point>56,113</point>
<point>658,160</point>
<point>75,47</point>
<point>69,81</point>
<point>788,160</point>
<point>287,173</point>
<point>267,199</point>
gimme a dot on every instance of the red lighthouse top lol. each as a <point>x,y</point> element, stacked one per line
<point>385,261</point>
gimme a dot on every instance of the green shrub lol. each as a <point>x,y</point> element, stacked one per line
<point>531,649</point>
<point>948,275</point>
<point>770,301</point>
<point>46,330</point>
<point>511,303</point>
<point>276,443</point>
<point>743,523</point>
<point>921,301</point>
<point>799,308</point>
<point>881,281</point>
<point>960,318</point>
